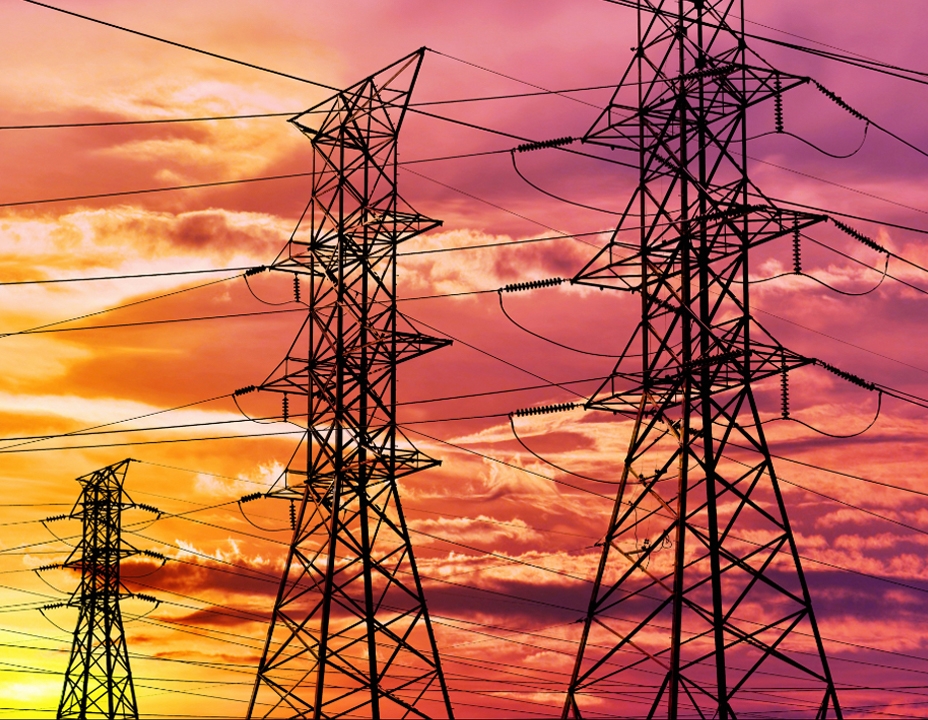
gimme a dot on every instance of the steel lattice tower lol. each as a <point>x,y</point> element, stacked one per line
<point>98,682</point>
<point>350,634</point>
<point>700,607</point>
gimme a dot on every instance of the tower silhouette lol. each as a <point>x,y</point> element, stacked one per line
<point>349,633</point>
<point>98,681</point>
<point>699,607</point>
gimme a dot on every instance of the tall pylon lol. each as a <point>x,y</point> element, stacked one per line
<point>350,634</point>
<point>98,682</point>
<point>700,608</point>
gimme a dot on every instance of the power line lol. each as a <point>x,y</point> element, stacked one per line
<point>861,61</point>
<point>473,588</point>
<point>837,339</point>
<point>129,276</point>
<point>167,321</point>
<point>98,446</point>
<point>514,79</point>
<point>147,191</point>
<point>839,185</point>
<point>510,243</point>
<point>243,268</point>
<point>123,306</point>
<point>183,46</point>
<point>252,116</point>
<point>159,121</point>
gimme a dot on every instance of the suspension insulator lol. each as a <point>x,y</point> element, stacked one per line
<point>296,287</point>
<point>859,236</point>
<point>844,375</point>
<point>778,104</point>
<point>544,409</point>
<point>797,250</point>
<point>839,101</point>
<point>292,515</point>
<point>556,142</point>
<point>533,285</point>
<point>286,407</point>
<point>784,392</point>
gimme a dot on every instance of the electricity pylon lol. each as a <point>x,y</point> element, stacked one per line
<point>699,607</point>
<point>350,634</point>
<point>98,682</point>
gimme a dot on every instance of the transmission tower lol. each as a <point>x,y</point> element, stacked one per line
<point>98,682</point>
<point>700,607</point>
<point>350,634</point>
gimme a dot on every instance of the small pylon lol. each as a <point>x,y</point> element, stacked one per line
<point>98,682</point>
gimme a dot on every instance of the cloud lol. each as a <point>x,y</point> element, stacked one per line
<point>463,271</point>
<point>488,531</point>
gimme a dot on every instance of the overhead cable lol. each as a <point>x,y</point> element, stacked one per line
<point>183,46</point>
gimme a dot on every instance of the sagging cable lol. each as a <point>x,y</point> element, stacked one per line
<point>545,460</point>
<point>154,556</point>
<point>835,436</point>
<point>250,389</point>
<point>530,286</point>
<point>567,201</point>
<point>249,498</point>
<point>854,294</point>
<point>54,606</point>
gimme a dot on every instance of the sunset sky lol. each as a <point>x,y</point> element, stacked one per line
<point>506,543</point>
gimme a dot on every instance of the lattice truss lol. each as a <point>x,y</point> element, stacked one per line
<point>350,634</point>
<point>98,681</point>
<point>700,607</point>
